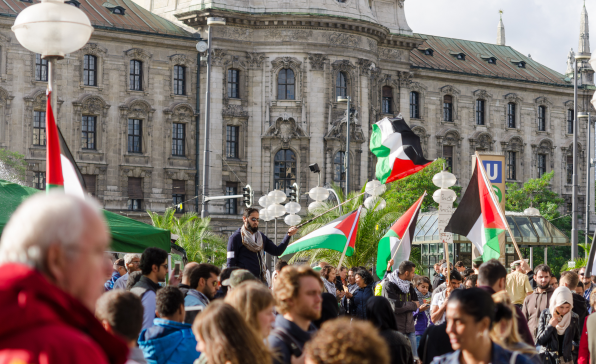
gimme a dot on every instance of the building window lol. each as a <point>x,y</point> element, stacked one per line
<point>39,180</point>
<point>233,84</point>
<point>178,193</point>
<point>461,57</point>
<point>178,134</point>
<point>447,108</point>
<point>39,128</point>
<point>339,169</point>
<point>284,174</point>
<point>492,60</point>
<point>541,164</point>
<point>135,193</point>
<point>541,118</point>
<point>88,129</point>
<point>387,106</point>
<point>285,84</point>
<point>569,207</point>
<point>90,182</point>
<point>511,115</point>
<point>90,70</point>
<point>231,206</point>
<point>428,52</point>
<point>136,75</point>
<point>569,121</point>
<point>414,105</point>
<point>179,80</point>
<point>448,156</point>
<point>232,142</point>
<point>480,112</point>
<point>569,169</point>
<point>41,68</point>
<point>511,166</point>
<point>135,135</point>
<point>341,85</point>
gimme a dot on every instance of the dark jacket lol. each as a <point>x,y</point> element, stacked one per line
<point>533,306</point>
<point>329,309</point>
<point>434,342</point>
<point>380,313</point>
<point>239,256</point>
<point>168,342</point>
<point>580,309</point>
<point>421,321</point>
<point>546,337</point>
<point>281,349</point>
<point>403,304</point>
<point>438,280</point>
<point>184,288</point>
<point>361,297</point>
<point>499,356</point>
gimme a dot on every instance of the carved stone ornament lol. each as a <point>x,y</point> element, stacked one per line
<point>285,129</point>
<point>254,59</point>
<point>343,39</point>
<point>513,97</point>
<point>405,78</point>
<point>450,90</point>
<point>373,45</point>
<point>180,59</point>
<point>94,49</point>
<point>236,33</point>
<point>92,104</point>
<point>218,56</point>
<point>482,94</point>
<point>391,54</point>
<point>515,144</point>
<point>289,35</point>
<point>365,66</point>
<point>338,129</point>
<point>137,109</point>
<point>482,141</point>
<point>285,62</point>
<point>317,61</point>
<point>401,3</point>
<point>138,53</point>
<point>235,111</point>
<point>343,65</point>
<point>179,112</point>
<point>543,100</point>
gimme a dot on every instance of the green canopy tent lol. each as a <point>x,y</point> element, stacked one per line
<point>128,235</point>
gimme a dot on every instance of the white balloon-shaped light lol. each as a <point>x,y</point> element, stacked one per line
<point>371,201</point>
<point>292,207</point>
<point>264,201</point>
<point>314,206</point>
<point>375,188</point>
<point>277,196</point>
<point>264,214</point>
<point>444,179</point>
<point>276,210</point>
<point>318,193</point>
<point>444,195</point>
<point>292,220</point>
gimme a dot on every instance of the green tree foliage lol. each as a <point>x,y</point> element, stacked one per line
<point>12,166</point>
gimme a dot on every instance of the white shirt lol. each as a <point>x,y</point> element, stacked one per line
<point>121,282</point>
<point>438,300</point>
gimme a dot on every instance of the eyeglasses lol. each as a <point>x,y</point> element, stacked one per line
<point>136,262</point>
<point>164,265</point>
<point>254,219</point>
<point>580,274</point>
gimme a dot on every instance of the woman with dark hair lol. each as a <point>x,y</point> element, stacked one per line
<point>364,280</point>
<point>470,314</point>
<point>328,274</point>
<point>380,313</point>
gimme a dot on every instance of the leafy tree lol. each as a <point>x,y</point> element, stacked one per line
<point>12,166</point>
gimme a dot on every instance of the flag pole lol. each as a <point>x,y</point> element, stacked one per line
<point>331,209</point>
<point>398,245</point>
<point>410,224</point>
<point>343,254</point>
<point>446,255</point>
<point>492,194</point>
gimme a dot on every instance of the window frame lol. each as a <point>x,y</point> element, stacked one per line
<point>387,101</point>
<point>480,110</point>
<point>135,137</point>
<point>541,164</point>
<point>570,121</point>
<point>39,180</point>
<point>341,164</point>
<point>511,119</point>
<point>448,159</point>
<point>233,83</point>
<point>135,76</point>
<point>233,141</point>
<point>41,65</point>
<point>231,204</point>
<point>447,109</point>
<point>414,105</point>
<point>88,71</point>
<point>179,80</point>
<point>341,84</point>
<point>285,86</point>
<point>178,141</point>
<point>541,118</point>
<point>177,199</point>
<point>511,165</point>
<point>280,182</point>
<point>569,169</point>
<point>39,128</point>
<point>85,133</point>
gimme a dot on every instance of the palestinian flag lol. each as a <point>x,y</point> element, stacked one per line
<point>397,148</point>
<point>478,216</point>
<point>334,236</point>
<point>61,169</point>
<point>402,231</point>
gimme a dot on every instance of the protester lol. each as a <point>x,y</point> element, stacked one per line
<point>118,271</point>
<point>518,284</point>
<point>422,314</point>
<point>133,278</point>
<point>121,314</point>
<point>237,277</point>
<point>580,289</point>
<point>185,280</point>
<point>433,343</point>
<point>438,306</point>
<point>131,261</point>
<point>52,271</point>
<point>329,310</point>
<point>154,266</point>
<point>222,290</point>
<point>343,342</point>
<point>468,272</point>
<point>459,265</point>
<point>255,303</point>
<point>587,346</point>
<point>278,267</point>
<point>298,300</point>
<point>558,328</point>
<point>539,300</point>
<point>588,286</point>
<point>505,332</point>
<point>470,314</point>
<point>348,300</point>
<point>570,280</point>
<point>380,314</point>
<point>471,281</point>
<point>492,277</point>
<point>203,285</point>
<point>442,277</point>
<point>341,280</point>
<point>476,263</point>
<point>553,282</point>
<point>399,290</point>
<point>247,246</point>
<point>364,291</point>
<point>328,277</point>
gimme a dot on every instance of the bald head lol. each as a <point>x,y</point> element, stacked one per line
<point>188,268</point>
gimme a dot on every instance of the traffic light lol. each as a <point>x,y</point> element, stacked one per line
<point>294,193</point>
<point>247,195</point>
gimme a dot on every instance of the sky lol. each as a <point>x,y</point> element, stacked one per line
<point>546,29</point>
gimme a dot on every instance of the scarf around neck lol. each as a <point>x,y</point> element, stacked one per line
<point>330,286</point>
<point>249,242</point>
<point>404,286</point>
<point>561,296</point>
<point>421,298</point>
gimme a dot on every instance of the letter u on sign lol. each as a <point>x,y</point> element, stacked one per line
<point>494,170</point>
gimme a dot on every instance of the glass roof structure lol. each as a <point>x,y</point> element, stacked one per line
<point>528,230</point>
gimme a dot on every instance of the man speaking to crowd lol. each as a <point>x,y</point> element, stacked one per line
<point>247,246</point>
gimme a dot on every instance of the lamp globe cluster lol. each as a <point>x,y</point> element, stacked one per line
<point>375,189</point>
<point>319,194</point>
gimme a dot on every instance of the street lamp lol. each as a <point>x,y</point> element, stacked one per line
<point>52,29</point>
<point>210,22</point>
<point>347,100</point>
<point>586,115</point>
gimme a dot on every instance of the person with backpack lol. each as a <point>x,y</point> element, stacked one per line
<point>154,266</point>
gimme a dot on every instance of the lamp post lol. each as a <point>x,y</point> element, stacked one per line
<point>584,115</point>
<point>52,29</point>
<point>347,100</point>
<point>532,211</point>
<point>210,22</point>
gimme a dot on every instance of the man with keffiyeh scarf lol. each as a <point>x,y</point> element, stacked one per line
<point>247,246</point>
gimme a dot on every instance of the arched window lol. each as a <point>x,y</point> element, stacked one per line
<point>387,105</point>
<point>179,80</point>
<point>447,108</point>
<point>541,164</point>
<point>569,121</point>
<point>286,84</point>
<point>541,118</point>
<point>136,75</point>
<point>511,165</point>
<point>511,115</point>
<point>41,68</point>
<point>90,70</point>
<point>414,105</point>
<point>569,169</point>
<point>339,169</point>
<point>480,112</point>
<point>284,174</point>
<point>341,88</point>
<point>233,84</point>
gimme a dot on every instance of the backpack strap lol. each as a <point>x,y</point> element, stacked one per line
<point>287,339</point>
<point>513,357</point>
<point>139,291</point>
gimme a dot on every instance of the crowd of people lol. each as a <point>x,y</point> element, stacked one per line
<point>63,301</point>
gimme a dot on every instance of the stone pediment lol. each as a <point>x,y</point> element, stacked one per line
<point>338,129</point>
<point>286,129</point>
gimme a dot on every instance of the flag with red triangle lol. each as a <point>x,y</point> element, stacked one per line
<point>397,242</point>
<point>332,236</point>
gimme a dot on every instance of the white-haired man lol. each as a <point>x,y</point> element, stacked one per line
<point>52,270</point>
<point>131,261</point>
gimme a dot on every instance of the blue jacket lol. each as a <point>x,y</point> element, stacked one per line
<point>361,296</point>
<point>168,342</point>
<point>109,285</point>
<point>240,256</point>
<point>281,348</point>
<point>499,356</point>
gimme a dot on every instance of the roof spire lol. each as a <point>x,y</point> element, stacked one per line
<point>584,33</point>
<point>501,30</point>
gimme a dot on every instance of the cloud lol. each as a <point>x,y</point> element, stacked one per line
<point>546,29</point>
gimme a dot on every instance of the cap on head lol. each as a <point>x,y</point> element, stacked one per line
<point>478,260</point>
<point>238,276</point>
